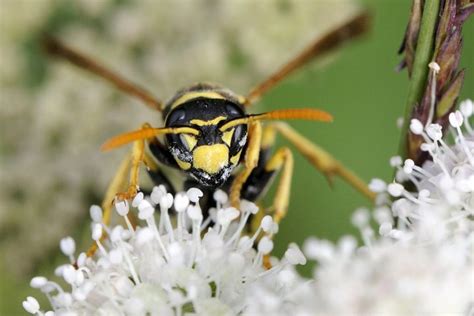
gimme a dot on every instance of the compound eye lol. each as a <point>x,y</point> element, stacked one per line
<point>176,117</point>
<point>239,133</point>
<point>189,141</point>
<point>232,111</point>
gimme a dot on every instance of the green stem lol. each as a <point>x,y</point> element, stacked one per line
<point>423,55</point>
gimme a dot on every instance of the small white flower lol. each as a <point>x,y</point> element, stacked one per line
<point>38,282</point>
<point>434,66</point>
<point>466,107</point>
<point>96,231</point>
<point>96,213</point>
<point>31,305</point>
<point>434,131</point>
<point>456,119</point>
<point>416,127</point>
<point>145,210</point>
<point>137,199</point>
<point>377,185</point>
<point>122,207</point>
<point>181,202</point>
<point>294,255</point>
<point>395,161</point>
<point>67,246</point>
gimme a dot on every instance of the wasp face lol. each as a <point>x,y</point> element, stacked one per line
<point>210,156</point>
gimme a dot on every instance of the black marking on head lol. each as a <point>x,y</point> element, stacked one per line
<point>202,87</point>
<point>205,110</point>
<point>212,180</point>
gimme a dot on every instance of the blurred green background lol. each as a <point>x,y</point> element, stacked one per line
<point>358,86</point>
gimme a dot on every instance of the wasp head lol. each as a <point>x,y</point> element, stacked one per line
<point>210,154</point>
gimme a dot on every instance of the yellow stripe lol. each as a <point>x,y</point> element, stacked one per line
<point>235,122</point>
<point>235,159</point>
<point>182,164</point>
<point>227,136</point>
<point>190,140</point>
<point>194,95</point>
<point>214,121</point>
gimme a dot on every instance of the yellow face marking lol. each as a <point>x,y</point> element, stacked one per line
<point>235,159</point>
<point>196,94</point>
<point>189,140</point>
<point>211,158</point>
<point>182,164</point>
<point>207,123</point>
<point>227,136</point>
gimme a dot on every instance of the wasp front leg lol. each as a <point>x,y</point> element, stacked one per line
<point>260,168</point>
<point>268,166</point>
<point>127,176</point>
<point>138,156</point>
<point>250,162</point>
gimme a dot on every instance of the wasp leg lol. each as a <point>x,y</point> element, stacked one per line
<point>322,160</point>
<point>117,184</point>
<point>261,177</point>
<point>138,156</point>
<point>129,165</point>
<point>282,160</point>
<point>250,162</point>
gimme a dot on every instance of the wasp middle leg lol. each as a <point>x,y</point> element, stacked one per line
<point>322,160</point>
<point>261,176</point>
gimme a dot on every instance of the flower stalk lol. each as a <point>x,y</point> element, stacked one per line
<point>432,50</point>
<point>423,54</point>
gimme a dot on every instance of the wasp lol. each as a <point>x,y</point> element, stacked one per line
<point>208,133</point>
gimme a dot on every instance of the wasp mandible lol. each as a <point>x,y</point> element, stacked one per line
<point>208,133</point>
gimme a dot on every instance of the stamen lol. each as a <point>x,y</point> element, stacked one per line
<point>96,213</point>
<point>31,305</point>
<point>68,247</point>
<point>165,203</point>
<point>456,121</point>
<point>435,70</point>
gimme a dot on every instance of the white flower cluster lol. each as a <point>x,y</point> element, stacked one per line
<point>422,260</point>
<point>204,266</point>
<point>51,134</point>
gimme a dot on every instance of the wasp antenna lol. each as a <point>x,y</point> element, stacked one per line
<point>57,49</point>
<point>295,114</point>
<point>290,114</point>
<point>129,137</point>
<point>235,122</point>
<point>144,133</point>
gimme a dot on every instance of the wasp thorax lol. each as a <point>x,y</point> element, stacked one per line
<point>210,154</point>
